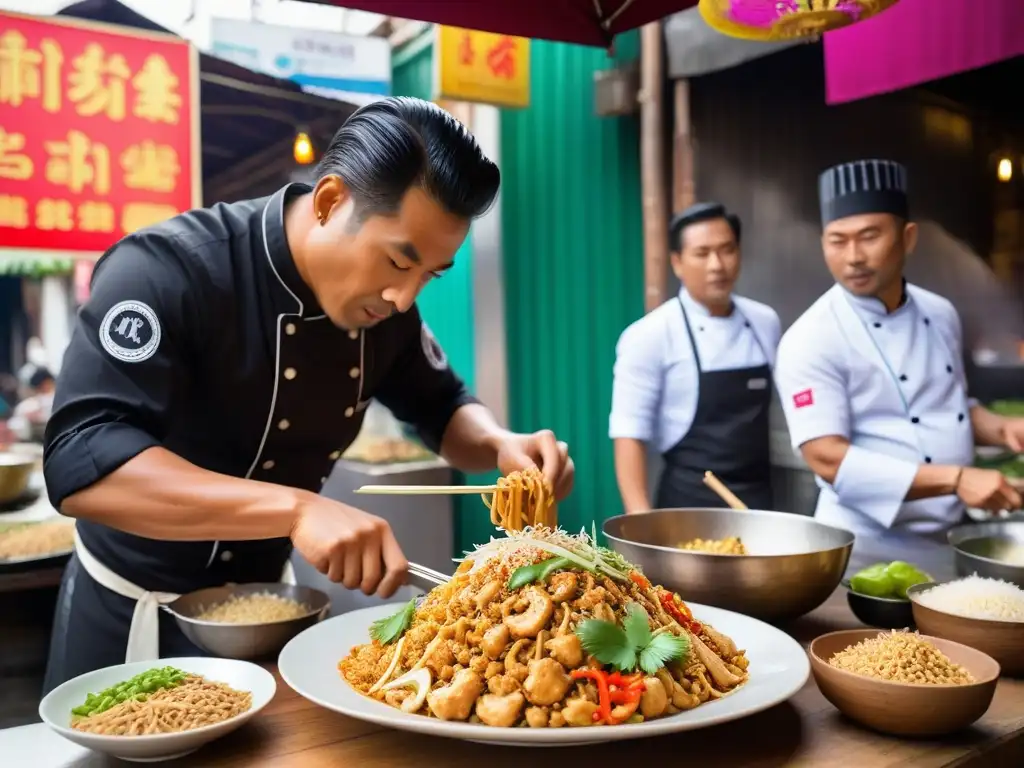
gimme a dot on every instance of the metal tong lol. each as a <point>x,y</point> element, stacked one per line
<point>426,578</point>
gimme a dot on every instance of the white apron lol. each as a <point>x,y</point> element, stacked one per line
<point>144,634</point>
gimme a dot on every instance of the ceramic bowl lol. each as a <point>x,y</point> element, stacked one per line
<point>1002,640</point>
<point>904,709</point>
<point>55,708</point>
<point>881,612</point>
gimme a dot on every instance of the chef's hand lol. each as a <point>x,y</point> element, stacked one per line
<point>987,489</point>
<point>542,451</point>
<point>350,546</point>
<point>1013,434</point>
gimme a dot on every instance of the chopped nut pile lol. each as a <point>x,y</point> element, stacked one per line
<point>901,657</point>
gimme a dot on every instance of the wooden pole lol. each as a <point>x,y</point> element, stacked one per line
<point>683,172</point>
<point>652,166</point>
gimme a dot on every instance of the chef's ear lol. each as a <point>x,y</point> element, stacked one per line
<point>909,237</point>
<point>329,195</point>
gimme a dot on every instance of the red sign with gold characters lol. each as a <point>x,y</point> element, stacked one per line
<point>98,133</point>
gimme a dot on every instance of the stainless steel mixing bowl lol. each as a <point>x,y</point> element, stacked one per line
<point>245,641</point>
<point>794,565</point>
<point>994,550</point>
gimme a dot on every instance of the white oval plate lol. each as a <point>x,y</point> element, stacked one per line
<point>55,708</point>
<point>779,668</point>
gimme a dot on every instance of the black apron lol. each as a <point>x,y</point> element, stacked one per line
<point>729,436</point>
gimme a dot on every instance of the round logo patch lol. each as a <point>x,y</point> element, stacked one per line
<point>432,349</point>
<point>130,332</point>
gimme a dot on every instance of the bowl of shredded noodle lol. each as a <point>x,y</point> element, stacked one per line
<point>148,711</point>
<point>248,621</point>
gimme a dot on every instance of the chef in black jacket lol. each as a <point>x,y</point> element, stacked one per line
<point>222,364</point>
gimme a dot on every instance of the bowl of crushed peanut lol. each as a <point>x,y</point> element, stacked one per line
<point>903,683</point>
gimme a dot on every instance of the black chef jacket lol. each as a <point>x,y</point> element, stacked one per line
<point>201,337</point>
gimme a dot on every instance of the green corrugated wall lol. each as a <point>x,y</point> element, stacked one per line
<point>446,303</point>
<point>573,265</point>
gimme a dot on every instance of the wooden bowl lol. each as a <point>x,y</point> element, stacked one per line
<point>904,709</point>
<point>1002,640</point>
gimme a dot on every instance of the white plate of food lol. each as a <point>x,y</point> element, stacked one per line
<point>134,711</point>
<point>618,658</point>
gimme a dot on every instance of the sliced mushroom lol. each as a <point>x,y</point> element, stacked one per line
<point>455,700</point>
<point>547,682</point>
<point>536,616</point>
<point>500,711</point>
<point>725,644</point>
<point>513,666</point>
<point>716,667</point>
<point>487,593</point>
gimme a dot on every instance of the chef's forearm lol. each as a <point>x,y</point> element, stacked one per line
<point>826,456</point>
<point>472,439</point>
<point>631,474</point>
<point>987,426</point>
<point>159,495</point>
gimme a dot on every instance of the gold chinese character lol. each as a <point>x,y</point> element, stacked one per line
<point>77,162</point>
<point>29,74</point>
<point>54,214</point>
<point>96,216</point>
<point>13,212</point>
<point>150,166</point>
<point>14,164</point>
<point>156,91</point>
<point>135,216</point>
<point>98,83</point>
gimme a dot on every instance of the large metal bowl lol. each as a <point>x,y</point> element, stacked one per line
<point>795,563</point>
<point>245,641</point>
<point>994,550</point>
<point>15,474</point>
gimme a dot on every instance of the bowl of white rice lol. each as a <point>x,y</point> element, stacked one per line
<point>983,613</point>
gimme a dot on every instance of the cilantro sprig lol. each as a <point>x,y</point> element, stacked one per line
<point>389,629</point>
<point>632,645</point>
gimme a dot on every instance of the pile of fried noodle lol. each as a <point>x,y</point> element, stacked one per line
<point>522,500</point>
<point>511,657</point>
<point>194,703</point>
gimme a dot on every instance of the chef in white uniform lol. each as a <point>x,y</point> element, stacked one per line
<point>693,377</point>
<point>871,377</point>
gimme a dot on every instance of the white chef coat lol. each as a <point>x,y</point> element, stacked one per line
<point>892,384</point>
<point>655,388</point>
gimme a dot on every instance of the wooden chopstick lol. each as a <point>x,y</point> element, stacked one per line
<point>426,490</point>
<point>718,487</point>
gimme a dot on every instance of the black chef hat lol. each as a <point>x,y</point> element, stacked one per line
<point>863,186</point>
<point>695,214</point>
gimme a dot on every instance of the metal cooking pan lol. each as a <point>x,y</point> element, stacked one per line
<point>795,563</point>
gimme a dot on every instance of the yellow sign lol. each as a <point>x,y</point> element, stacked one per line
<point>483,67</point>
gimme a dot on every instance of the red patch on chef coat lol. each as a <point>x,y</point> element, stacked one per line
<point>804,398</point>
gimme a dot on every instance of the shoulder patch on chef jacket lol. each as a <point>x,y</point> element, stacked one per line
<point>432,349</point>
<point>130,332</point>
<point>804,398</point>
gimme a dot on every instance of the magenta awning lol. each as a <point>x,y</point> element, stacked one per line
<point>920,40</point>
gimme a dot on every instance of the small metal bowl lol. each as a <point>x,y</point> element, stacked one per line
<point>15,474</point>
<point>245,641</point>
<point>881,612</point>
<point>991,549</point>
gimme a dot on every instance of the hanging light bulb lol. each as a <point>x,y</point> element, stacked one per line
<point>302,149</point>
<point>1004,171</point>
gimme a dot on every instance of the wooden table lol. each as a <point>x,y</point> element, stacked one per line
<point>805,731</point>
